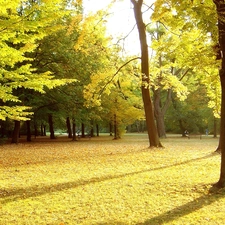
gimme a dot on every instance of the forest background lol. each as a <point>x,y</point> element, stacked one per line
<point>62,70</point>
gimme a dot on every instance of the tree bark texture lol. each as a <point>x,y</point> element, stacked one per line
<point>69,129</point>
<point>215,128</point>
<point>35,130</point>
<point>82,130</point>
<point>16,132</point>
<point>149,113</point>
<point>43,129</point>
<point>51,126</point>
<point>160,111</point>
<point>97,130</point>
<point>115,127</point>
<point>74,130</point>
<point>220,7</point>
<point>110,129</point>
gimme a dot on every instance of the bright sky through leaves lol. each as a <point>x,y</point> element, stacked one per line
<point>120,22</point>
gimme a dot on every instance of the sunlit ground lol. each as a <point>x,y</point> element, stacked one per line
<point>103,181</point>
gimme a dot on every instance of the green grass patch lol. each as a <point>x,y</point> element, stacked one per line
<point>103,181</point>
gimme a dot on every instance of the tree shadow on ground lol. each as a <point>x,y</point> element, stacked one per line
<point>186,209</point>
<point>111,223</point>
<point>9,195</point>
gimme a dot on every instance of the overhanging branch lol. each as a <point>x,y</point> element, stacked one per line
<point>121,67</point>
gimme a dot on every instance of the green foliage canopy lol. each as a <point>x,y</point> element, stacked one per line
<point>22,23</point>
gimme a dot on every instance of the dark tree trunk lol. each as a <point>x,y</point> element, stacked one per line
<point>3,129</point>
<point>182,128</point>
<point>74,131</point>
<point>215,127</point>
<point>51,126</point>
<point>69,130</point>
<point>28,131</point>
<point>97,130</point>
<point>111,129</point>
<point>149,114</point>
<point>35,130</point>
<point>16,132</point>
<point>160,125</point>
<point>92,132</point>
<point>82,131</point>
<point>220,6</point>
<point>160,111</point>
<point>115,128</point>
<point>43,129</point>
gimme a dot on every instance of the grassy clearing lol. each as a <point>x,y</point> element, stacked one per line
<point>101,181</point>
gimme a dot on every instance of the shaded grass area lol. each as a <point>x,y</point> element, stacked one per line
<point>103,181</point>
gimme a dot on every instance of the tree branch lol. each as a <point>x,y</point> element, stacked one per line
<point>184,74</point>
<point>117,73</point>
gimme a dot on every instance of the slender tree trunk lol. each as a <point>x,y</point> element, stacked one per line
<point>97,130</point>
<point>149,113</point>
<point>159,115</point>
<point>160,125</point>
<point>115,127</point>
<point>160,110</point>
<point>92,132</point>
<point>35,130</point>
<point>116,130</point>
<point>220,6</point>
<point>82,131</point>
<point>69,130</point>
<point>215,127</point>
<point>51,127</point>
<point>16,132</point>
<point>111,129</point>
<point>182,128</point>
<point>28,131</point>
<point>74,130</point>
<point>43,129</point>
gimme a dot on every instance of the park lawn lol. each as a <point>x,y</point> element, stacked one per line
<point>102,181</point>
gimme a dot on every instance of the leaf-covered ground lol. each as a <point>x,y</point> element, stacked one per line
<point>102,181</point>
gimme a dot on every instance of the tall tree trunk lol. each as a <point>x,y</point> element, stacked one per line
<point>110,129</point>
<point>115,128</point>
<point>69,129</point>
<point>3,129</point>
<point>220,6</point>
<point>159,115</point>
<point>28,131</point>
<point>182,128</point>
<point>16,132</point>
<point>91,134</point>
<point>215,127</point>
<point>160,125</point>
<point>35,130</point>
<point>74,130</point>
<point>151,127</point>
<point>82,131</point>
<point>43,129</point>
<point>51,127</point>
<point>160,110</point>
<point>97,130</point>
